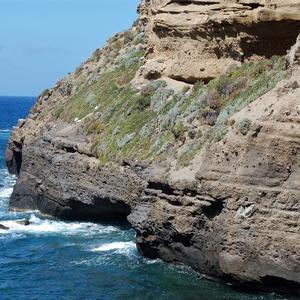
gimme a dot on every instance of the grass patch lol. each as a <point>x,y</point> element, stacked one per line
<point>154,124</point>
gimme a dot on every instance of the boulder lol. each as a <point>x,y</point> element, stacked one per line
<point>2,227</point>
<point>23,222</point>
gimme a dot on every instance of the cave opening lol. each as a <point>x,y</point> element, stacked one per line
<point>213,210</point>
<point>269,38</point>
<point>281,284</point>
<point>17,161</point>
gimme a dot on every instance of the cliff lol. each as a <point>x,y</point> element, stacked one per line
<point>187,126</point>
<point>199,40</point>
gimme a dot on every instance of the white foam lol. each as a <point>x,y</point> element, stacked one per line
<point>40,226</point>
<point>151,261</point>
<point>5,130</point>
<point>6,192</point>
<point>116,246</point>
<point>6,176</point>
<point>87,262</point>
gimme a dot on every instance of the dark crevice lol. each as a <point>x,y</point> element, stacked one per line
<point>153,75</point>
<point>264,39</point>
<point>101,210</point>
<point>257,131</point>
<point>69,149</point>
<point>266,283</point>
<point>184,239</point>
<point>17,161</point>
<point>275,283</point>
<point>14,164</point>
<point>190,192</point>
<point>252,5</point>
<point>191,79</point>
<point>168,190</point>
<point>165,188</point>
<point>213,210</point>
<point>189,2</point>
<point>270,38</point>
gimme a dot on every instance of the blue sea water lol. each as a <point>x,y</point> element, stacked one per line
<point>54,260</point>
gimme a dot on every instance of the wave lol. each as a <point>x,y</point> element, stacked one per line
<point>124,246</point>
<point>6,178</point>
<point>7,183</point>
<point>5,130</point>
<point>40,226</point>
<point>6,192</point>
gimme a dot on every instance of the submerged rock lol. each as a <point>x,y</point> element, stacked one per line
<point>2,227</point>
<point>23,222</point>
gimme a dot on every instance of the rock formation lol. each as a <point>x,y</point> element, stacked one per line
<point>193,40</point>
<point>208,174</point>
<point>2,227</point>
<point>242,221</point>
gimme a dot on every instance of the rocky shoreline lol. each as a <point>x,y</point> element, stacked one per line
<point>233,210</point>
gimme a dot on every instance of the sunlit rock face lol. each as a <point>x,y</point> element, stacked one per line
<point>198,40</point>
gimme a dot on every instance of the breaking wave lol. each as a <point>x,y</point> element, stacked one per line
<point>46,226</point>
<point>124,246</point>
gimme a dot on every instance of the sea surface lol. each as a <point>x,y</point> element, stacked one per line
<point>51,259</point>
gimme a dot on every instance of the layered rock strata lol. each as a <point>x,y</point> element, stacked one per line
<point>241,218</point>
<point>199,40</point>
<point>237,217</point>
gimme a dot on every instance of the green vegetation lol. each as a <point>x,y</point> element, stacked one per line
<point>45,93</point>
<point>244,126</point>
<point>140,39</point>
<point>156,123</point>
<point>179,130</point>
<point>212,105</point>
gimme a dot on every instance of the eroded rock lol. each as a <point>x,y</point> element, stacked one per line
<point>198,40</point>
<point>237,217</point>
<point>23,222</point>
<point>2,227</point>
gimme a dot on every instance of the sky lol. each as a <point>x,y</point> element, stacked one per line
<point>41,41</point>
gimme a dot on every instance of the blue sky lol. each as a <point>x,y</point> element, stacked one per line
<point>42,40</point>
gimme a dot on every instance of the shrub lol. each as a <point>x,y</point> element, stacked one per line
<point>179,130</point>
<point>140,39</point>
<point>214,100</point>
<point>220,133</point>
<point>186,89</point>
<point>45,93</point>
<point>197,87</point>
<point>143,102</point>
<point>244,126</point>
<point>211,117</point>
<point>146,90</point>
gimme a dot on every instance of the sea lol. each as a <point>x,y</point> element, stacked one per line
<point>52,259</point>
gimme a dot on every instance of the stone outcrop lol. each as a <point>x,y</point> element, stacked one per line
<point>233,212</point>
<point>60,177</point>
<point>199,40</point>
<point>2,227</point>
<point>240,220</point>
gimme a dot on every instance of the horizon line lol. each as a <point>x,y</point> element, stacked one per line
<point>16,96</point>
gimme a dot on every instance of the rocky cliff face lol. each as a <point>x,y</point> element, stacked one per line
<point>242,219</point>
<point>199,40</point>
<point>186,126</point>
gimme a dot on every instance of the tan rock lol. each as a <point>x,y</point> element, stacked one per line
<point>198,41</point>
